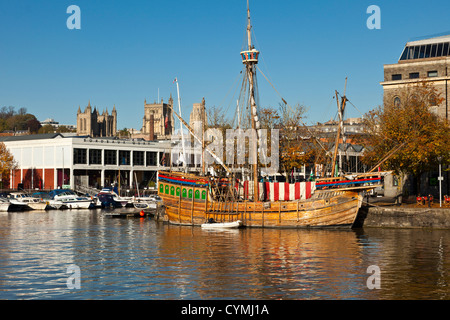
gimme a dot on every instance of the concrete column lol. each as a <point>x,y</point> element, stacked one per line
<point>71,177</point>
<point>102,178</point>
<point>131,178</point>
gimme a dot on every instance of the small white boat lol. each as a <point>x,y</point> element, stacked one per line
<point>150,203</point>
<point>21,198</point>
<point>222,225</point>
<point>143,205</point>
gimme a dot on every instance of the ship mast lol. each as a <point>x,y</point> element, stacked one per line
<point>250,59</point>
<point>340,129</point>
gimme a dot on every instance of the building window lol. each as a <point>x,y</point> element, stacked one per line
<point>422,52</point>
<point>414,98</point>
<point>79,156</point>
<point>396,77</point>
<point>95,156</point>
<point>439,50</point>
<point>433,100</point>
<point>138,158</point>
<point>446,47</point>
<point>432,74</point>
<point>426,51</point>
<point>124,158</point>
<point>397,102</point>
<point>414,75</point>
<point>405,54</point>
<point>433,50</point>
<point>111,157</point>
<point>152,159</point>
<point>395,181</point>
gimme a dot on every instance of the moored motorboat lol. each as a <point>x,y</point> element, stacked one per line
<point>145,204</point>
<point>124,201</point>
<point>106,200</point>
<point>21,198</point>
<point>51,203</point>
<point>70,199</point>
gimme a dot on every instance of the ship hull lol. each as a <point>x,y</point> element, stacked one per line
<point>331,208</point>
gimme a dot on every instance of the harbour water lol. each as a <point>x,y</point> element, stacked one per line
<point>140,258</point>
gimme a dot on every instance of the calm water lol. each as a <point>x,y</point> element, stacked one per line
<point>143,259</point>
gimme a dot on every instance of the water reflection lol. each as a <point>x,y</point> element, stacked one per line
<point>142,259</point>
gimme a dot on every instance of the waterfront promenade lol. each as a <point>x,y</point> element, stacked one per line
<point>385,212</point>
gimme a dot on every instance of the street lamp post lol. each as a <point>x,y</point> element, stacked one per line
<point>440,178</point>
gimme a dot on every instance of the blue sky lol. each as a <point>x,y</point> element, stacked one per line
<point>128,50</point>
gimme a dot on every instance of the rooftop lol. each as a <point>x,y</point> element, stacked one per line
<point>30,137</point>
<point>426,48</point>
<point>85,138</point>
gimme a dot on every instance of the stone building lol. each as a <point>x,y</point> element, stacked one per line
<point>158,121</point>
<point>198,113</point>
<point>92,123</point>
<point>426,60</point>
<point>421,61</point>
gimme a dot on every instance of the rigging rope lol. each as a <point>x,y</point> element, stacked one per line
<point>282,99</point>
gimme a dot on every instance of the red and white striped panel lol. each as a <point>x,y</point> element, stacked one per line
<point>282,191</point>
<point>279,191</point>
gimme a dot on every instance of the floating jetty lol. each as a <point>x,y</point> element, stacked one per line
<point>123,215</point>
<point>156,213</point>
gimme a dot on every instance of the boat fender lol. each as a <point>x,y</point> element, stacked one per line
<point>142,213</point>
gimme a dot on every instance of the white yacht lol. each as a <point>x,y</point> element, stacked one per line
<point>23,199</point>
<point>73,201</point>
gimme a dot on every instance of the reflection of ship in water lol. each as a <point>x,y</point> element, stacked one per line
<point>266,263</point>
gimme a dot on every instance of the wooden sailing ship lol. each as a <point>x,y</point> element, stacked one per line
<point>194,199</point>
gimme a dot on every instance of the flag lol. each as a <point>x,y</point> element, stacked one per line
<point>166,122</point>
<point>174,81</point>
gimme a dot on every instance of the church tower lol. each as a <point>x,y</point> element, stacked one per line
<point>92,123</point>
<point>158,120</point>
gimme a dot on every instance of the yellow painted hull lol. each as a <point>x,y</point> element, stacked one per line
<point>327,208</point>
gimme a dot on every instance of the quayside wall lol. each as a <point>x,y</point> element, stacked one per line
<point>401,217</point>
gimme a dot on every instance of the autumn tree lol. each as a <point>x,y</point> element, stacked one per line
<point>420,136</point>
<point>216,118</point>
<point>7,163</point>
<point>20,120</point>
<point>124,133</point>
<point>294,148</point>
